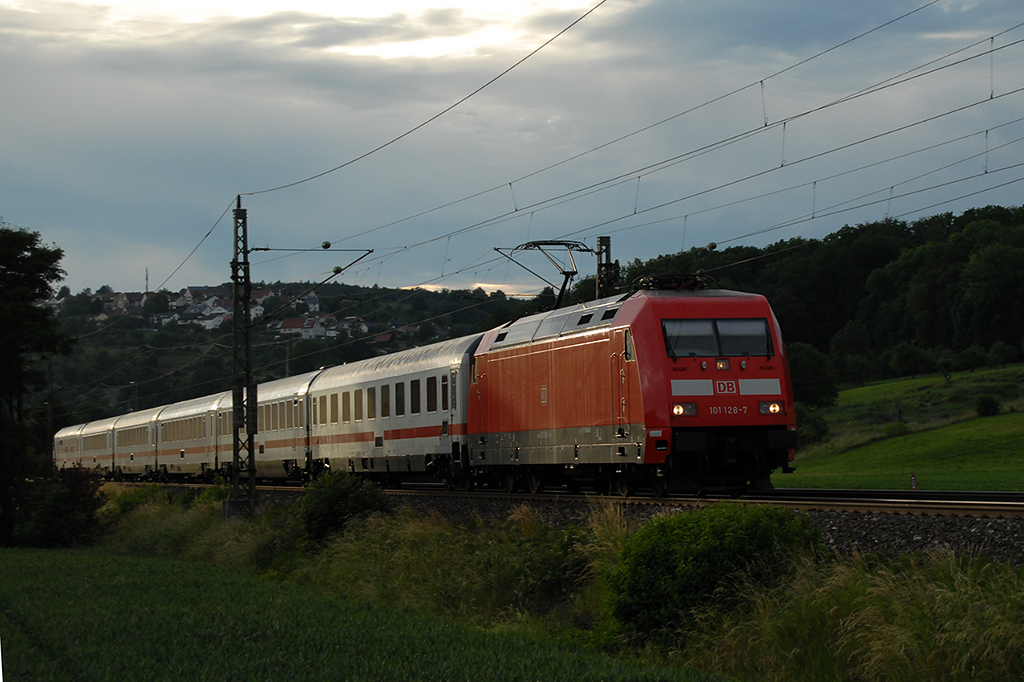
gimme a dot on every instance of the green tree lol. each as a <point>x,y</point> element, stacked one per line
<point>813,383</point>
<point>81,303</point>
<point>1001,353</point>
<point>28,333</point>
<point>159,302</point>
<point>906,359</point>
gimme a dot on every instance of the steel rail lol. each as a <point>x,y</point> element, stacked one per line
<point>978,504</point>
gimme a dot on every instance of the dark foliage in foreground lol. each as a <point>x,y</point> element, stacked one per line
<point>332,500</point>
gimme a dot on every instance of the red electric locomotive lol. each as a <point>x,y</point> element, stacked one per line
<point>673,387</point>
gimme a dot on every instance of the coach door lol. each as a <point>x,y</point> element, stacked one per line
<point>447,390</point>
<point>620,356</point>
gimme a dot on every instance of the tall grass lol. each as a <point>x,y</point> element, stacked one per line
<point>480,571</point>
<point>934,617</point>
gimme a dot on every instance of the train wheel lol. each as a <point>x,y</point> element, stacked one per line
<point>659,485</point>
<point>623,485</point>
<point>511,483</point>
<point>535,484</point>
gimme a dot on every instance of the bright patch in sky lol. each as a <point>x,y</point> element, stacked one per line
<point>434,47</point>
<point>197,11</point>
<point>500,18</point>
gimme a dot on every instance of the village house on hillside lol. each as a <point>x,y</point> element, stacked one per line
<point>212,308</point>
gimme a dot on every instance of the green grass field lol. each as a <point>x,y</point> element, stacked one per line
<point>927,427</point>
<point>85,615</point>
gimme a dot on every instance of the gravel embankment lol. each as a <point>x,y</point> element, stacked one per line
<point>846,532</point>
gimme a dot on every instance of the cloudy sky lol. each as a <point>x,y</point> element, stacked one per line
<point>127,129</point>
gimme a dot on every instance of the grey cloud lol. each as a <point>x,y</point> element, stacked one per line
<point>143,144</point>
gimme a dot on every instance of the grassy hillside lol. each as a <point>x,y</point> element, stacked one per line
<point>927,426</point>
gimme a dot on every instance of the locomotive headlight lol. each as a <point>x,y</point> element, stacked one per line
<point>721,364</point>
<point>684,409</point>
<point>770,407</point>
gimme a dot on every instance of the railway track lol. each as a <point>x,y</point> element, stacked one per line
<point>979,504</point>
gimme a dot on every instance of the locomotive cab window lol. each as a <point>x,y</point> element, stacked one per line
<point>712,338</point>
<point>744,337</point>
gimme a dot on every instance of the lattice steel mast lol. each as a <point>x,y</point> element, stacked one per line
<point>244,400</point>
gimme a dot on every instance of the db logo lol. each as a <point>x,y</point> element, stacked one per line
<point>725,387</point>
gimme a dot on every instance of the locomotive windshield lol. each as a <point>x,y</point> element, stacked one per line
<point>717,338</point>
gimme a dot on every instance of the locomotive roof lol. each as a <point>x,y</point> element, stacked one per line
<point>583,317</point>
<point>703,293</point>
<point>571,319</point>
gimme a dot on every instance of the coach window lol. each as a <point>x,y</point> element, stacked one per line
<point>334,408</point>
<point>371,402</point>
<point>444,393</point>
<point>275,416</point>
<point>323,409</point>
<point>291,410</point>
<point>357,398</point>
<point>400,399</point>
<point>385,401</point>
<point>346,407</point>
<point>414,396</point>
<point>431,394</point>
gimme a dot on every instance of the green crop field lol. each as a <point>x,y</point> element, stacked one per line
<point>927,427</point>
<point>84,615</point>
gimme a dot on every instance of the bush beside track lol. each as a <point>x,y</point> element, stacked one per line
<point>519,575</point>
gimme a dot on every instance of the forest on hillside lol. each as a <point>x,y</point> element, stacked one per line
<point>886,298</point>
<point>875,300</point>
